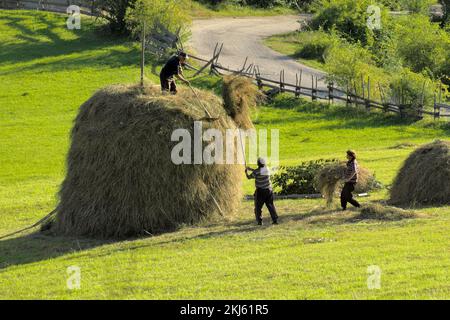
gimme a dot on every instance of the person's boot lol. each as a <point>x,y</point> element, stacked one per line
<point>275,222</point>
<point>260,223</point>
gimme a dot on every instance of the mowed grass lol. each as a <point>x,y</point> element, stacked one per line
<point>46,72</point>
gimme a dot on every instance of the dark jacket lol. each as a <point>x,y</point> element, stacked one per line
<point>172,67</point>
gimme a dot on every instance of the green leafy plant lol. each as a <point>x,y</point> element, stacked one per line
<point>299,179</point>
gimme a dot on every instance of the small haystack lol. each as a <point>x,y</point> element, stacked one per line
<point>331,177</point>
<point>121,181</point>
<point>240,95</point>
<point>425,177</point>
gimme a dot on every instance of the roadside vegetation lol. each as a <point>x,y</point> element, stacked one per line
<point>406,57</point>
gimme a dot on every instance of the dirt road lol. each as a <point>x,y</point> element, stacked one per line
<point>242,37</point>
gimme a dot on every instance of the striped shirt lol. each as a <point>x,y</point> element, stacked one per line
<point>262,178</point>
<point>351,173</point>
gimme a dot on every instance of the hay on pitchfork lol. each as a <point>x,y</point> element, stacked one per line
<point>120,179</point>
<point>240,96</point>
<point>330,179</point>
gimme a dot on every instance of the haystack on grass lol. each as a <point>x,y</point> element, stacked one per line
<point>425,177</point>
<point>240,95</point>
<point>330,179</point>
<point>121,180</point>
<point>378,211</point>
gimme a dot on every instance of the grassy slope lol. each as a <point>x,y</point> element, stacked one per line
<point>46,72</point>
<point>289,44</point>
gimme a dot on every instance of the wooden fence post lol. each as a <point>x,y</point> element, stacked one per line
<point>347,100</point>
<point>330,93</point>
<point>401,108</point>
<point>368,95</point>
<point>258,79</point>
<point>313,91</point>
<point>282,80</point>
<point>297,87</point>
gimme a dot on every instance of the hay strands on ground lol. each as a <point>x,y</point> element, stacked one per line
<point>209,116</point>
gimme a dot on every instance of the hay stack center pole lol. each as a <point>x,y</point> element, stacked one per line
<point>142,53</point>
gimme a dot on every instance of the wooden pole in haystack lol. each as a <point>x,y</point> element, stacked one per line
<point>142,53</point>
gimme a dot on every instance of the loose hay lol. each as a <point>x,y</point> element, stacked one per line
<point>380,212</point>
<point>240,95</point>
<point>424,177</point>
<point>120,179</point>
<point>330,179</point>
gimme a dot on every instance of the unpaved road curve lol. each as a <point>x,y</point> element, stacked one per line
<point>243,37</point>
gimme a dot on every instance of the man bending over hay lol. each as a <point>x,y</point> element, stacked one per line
<point>173,68</point>
<point>351,178</point>
<point>263,193</point>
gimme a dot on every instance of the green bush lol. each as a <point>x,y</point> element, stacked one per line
<point>302,179</point>
<point>299,179</point>
<point>349,64</point>
<point>422,45</point>
<point>412,89</point>
<point>114,11</point>
<point>417,6</point>
<point>314,45</point>
<point>348,17</point>
<point>160,16</point>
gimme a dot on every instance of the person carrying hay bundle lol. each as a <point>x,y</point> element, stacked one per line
<point>173,68</point>
<point>263,193</point>
<point>351,178</point>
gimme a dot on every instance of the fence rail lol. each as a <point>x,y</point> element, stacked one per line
<point>86,6</point>
<point>440,110</point>
<point>332,92</point>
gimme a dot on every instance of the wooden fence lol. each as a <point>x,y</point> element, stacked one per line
<point>331,93</point>
<point>86,6</point>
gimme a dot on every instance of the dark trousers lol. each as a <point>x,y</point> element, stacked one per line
<point>168,84</point>
<point>264,196</point>
<point>346,195</point>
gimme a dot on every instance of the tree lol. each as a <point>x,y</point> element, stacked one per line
<point>114,11</point>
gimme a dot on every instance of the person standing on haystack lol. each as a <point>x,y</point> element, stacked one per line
<point>263,193</point>
<point>351,178</point>
<point>173,68</point>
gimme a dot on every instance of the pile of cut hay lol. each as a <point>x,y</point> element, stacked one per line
<point>240,95</point>
<point>424,177</point>
<point>120,179</point>
<point>378,211</point>
<point>331,178</point>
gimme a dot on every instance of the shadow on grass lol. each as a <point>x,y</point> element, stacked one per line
<point>45,42</point>
<point>37,247</point>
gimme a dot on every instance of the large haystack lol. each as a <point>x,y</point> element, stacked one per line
<point>120,178</point>
<point>424,177</point>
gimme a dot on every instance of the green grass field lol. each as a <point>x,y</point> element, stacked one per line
<point>290,44</point>
<point>46,72</point>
